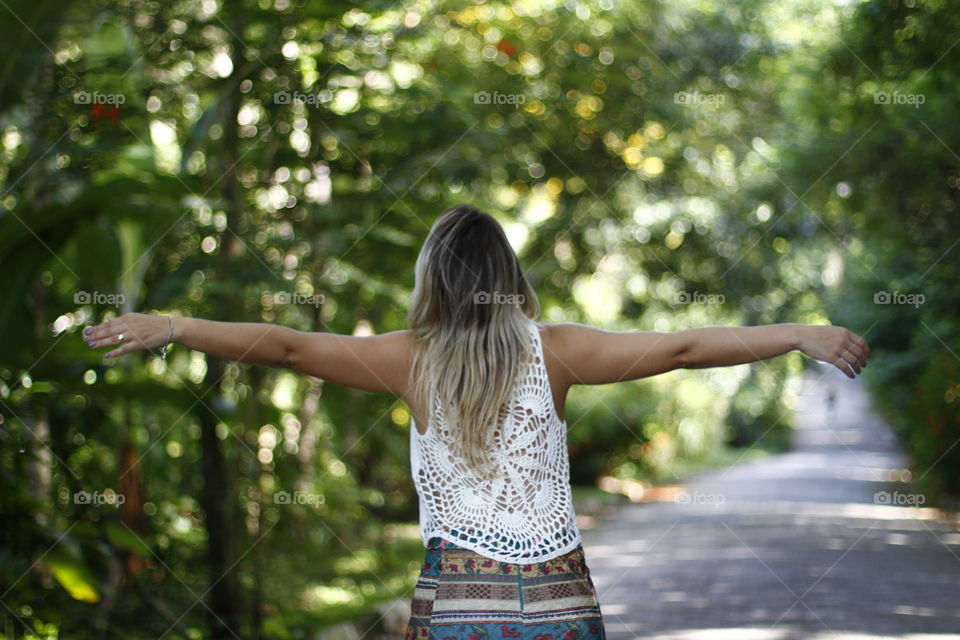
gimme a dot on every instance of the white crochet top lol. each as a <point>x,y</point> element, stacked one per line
<point>524,515</point>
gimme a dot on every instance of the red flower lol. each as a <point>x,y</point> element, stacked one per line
<point>471,563</point>
<point>546,636</point>
<point>507,47</point>
<point>100,112</point>
<point>569,635</point>
<point>507,568</point>
<point>487,563</point>
<point>507,633</point>
<point>527,567</point>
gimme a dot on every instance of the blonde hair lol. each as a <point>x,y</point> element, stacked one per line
<point>470,311</point>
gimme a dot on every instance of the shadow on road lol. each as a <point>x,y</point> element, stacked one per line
<point>825,541</point>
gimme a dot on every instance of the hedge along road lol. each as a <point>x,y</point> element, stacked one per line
<point>814,543</point>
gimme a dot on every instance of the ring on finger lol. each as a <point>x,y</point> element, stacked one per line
<point>119,337</point>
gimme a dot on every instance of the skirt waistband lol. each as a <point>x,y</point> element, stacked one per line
<point>436,543</point>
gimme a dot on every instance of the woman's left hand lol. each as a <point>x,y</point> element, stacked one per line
<point>129,332</point>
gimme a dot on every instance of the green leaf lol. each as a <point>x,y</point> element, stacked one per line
<point>122,537</point>
<point>73,574</point>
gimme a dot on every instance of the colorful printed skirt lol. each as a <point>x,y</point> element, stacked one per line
<point>463,595</point>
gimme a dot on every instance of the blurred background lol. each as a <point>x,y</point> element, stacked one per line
<point>657,166</point>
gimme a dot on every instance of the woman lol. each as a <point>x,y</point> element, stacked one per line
<point>488,452</point>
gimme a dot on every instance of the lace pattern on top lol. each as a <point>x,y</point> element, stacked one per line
<point>524,515</point>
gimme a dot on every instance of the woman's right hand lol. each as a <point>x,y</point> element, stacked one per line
<point>835,345</point>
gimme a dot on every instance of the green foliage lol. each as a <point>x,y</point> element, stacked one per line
<point>758,415</point>
<point>881,107</point>
<point>650,162</point>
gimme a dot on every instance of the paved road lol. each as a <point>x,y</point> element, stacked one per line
<point>796,546</point>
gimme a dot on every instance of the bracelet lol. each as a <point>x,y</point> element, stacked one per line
<point>163,349</point>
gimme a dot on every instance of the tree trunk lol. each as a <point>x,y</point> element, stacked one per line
<point>217,500</point>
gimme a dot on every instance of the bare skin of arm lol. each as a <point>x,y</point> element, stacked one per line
<point>579,354</point>
<point>594,356</point>
<point>371,363</point>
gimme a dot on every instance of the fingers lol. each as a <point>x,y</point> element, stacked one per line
<point>852,361</point>
<point>856,356</point>
<point>860,347</point>
<point>105,330</point>
<point>864,346</point>
<point>853,356</point>
<point>118,332</point>
<point>122,351</point>
<point>123,347</point>
<point>841,364</point>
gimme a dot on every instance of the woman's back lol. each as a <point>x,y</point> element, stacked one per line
<point>524,514</point>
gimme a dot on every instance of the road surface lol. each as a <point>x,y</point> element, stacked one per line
<point>822,542</point>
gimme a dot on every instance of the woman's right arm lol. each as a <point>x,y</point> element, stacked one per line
<point>595,356</point>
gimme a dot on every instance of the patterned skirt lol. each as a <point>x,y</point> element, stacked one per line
<point>463,595</point>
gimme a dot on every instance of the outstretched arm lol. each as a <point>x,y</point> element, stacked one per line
<point>257,343</point>
<point>371,363</point>
<point>724,346</point>
<point>595,356</point>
